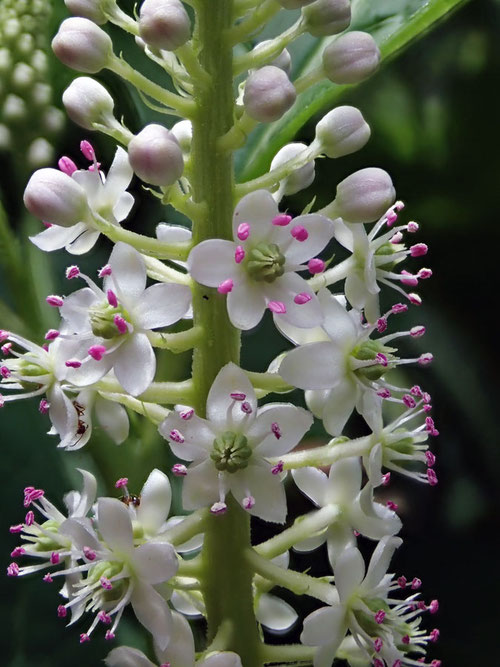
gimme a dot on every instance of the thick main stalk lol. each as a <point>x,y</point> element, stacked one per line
<point>226,578</point>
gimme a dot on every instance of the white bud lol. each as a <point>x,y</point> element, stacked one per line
<point>342,131</point>
<point>89,9</point>
<point>40,152</point>
<point>294,4</point>
<point>351,58</point>
<point>55,197</point>
<point>155,155</point>
<point>87,102</point>
<point>365,195</point>
<point>81,45</point>
<point>164,24</point>
<point>5,138</point>
<point>268,94</point>
<point>327,17</point>
<point>183,132</point>
<point>300,178</point>
<point>14,108</point>
<point>283,60</point>
<point>22,76</point>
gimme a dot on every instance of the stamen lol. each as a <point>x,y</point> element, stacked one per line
<point>408,278</point>
<point>384,393</point>
<point>84,637</point>
<point>302,298</point>
<point>97,352</point>
<point>73,363</point>
<point>5,372</point>
<point>399,308</point>
<point>13,570</point>
<point>377,644</point>
<point>47,578</point>
<point>277,307</point>
<point>414,299</point>
<point>226,286</point>
<point>106,583</point>
<point>105,271</point>
<point>381,324</point>
<point>380,616</point>
<point>430,458</point>
<point>402,582</point>
<point>112,298</point>
<point>104,618</point>
<point>176,436</point>
<point>315,266</point>
<point>89,553</point>
<point>238,396</point>
<point>66,165</point>
<point>418,250</point>
<point>392,506</point>
<point>120,324</point>
<point>434,606</point>
<point>243,231</point>
<point>299,233</point>
<point>434,635</point>
<point>425,359</point>
<point>87,150</point>
<point>179,470</point>
<point>386,479</point>
<point>4,335</point>
<point>18,551</point>
<point>109,635</point>
<point>55,558</point>
<point>52,334</point>
<point>416,583</point>
<point>278,468</point>
<point>248,502</point>
<point>424,274</point>
<point>187,414</point>
<point>412,227</point>
<point>246,408</point>
<point>281,220</point>
<point>120,483</point>
<point>62,611</point>
<point>44,406</point>
<point>432,477</point>
<point>239,254</point>
<point>218,508</point>
<point>417,332</point>
<point>276,430</point>
<point>54,300</point>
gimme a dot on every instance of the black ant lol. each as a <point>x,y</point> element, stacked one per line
<point>131,499</point>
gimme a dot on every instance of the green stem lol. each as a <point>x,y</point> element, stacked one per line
<point>261,56</point>
<point>322,456</point>
<point>165,274</point>
<point>302,528</point>
<point>155,413</point>
<point>226,578</point>
<point>176,342</point>
<point>297,582</point>
<point>244,30</point>
<point>168,393</point>
<point>284,653</point>
<point>191,525</point>
<point>268,382</point>
<point>333,275</point>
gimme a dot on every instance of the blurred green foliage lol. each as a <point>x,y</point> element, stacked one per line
<point>434,116</point>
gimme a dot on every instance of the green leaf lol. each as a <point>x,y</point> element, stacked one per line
<point>394,24</point>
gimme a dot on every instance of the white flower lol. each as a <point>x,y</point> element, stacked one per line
<point>258,269</point>
<point>385,628</point>
<point>112,325</point>
<point>375,259</point>
<point>229,449</point>
<point>357,510</point>
<point>345,369</point>
<point>179,652</point>
<point>106,196</point>
<point>118,572</point>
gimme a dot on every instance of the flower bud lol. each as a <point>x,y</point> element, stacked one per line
<point>155,155</point>
<point>164,24</point>
<point>55,197</point>
<point>351,58</point>
<point>81,45</point>
<point>89,9</point>
<point>87,102</point>
<point>342,131</point>
<point>268,94</point>
<point>365,195</point>
<point>283,60</point>
<point>294,4</point>
<point>299,179</point>
<point>327,17</point>
<point>183,132</point>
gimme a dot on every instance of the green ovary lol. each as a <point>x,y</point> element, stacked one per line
<point>102,320</point>
<point>231,452</point>
<point>368,351</point>
<point>265,262</point>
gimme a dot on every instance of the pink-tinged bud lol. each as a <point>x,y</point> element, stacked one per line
<point>66,165</point>
<point>315,266</point>
<point>351,58</point>
<point>179,470</point>
<point>268,94</point>
<point>89,9</point>
<point>164,24</point>
<point>54,196</point>
<point>294,4</point>
<point>299,179</point>
<point>327,17</point>
<point>277,307</point>
<point>342,131</point>
<point>97,352</point>
<point>155,155</point>
<point>81,45</point>
<point>365,195</point>
<point>419,250</point>
<point>88,102</point>
<point>226,286</point>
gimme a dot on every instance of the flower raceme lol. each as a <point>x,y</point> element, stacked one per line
<point>229,449</point>
<point>259,268</point>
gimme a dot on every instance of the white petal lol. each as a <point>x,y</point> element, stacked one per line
<point>267,489</point>
<point>258,209</point>
<point>128,273</point>
<point>173,233</point>
<point>135,364</point>
<point>156,497</point>
<point>299,335</point>
<point>339,407</point>
<point>222,659</point>
<point>343,234</point>
<point>224,411</point>
<point>313,483</point>
<point>84,242</point>
<point>285,289</point>
<point>355,289</point>
<point>87,496</point>
<point>153,612</point>
<point>274,613</point>
<point>56,237</point>
<point>123,206</point>
<point>349,572</point>
<point>344,481</point>
<point>91,182</point>
<point>154,563</point>
<point>246,304</point>
<point>369,405</point>
<point>75,309</point>
<point>183,602</point>
<point>81,534</point>
<point>161,305</point>
<point>337,323</point>
<point>115,525</point>
<point>322,626</point>
<point>373,520</point>
<point>119,175</point>
<point>201,486</point>
<point>113,419</point>
<point>316,399</point>
<point>380,560</point>
<point>293,422</point>
<point>339,537</point>
<point>325,655</point>
<point>125,656</point>
<point>196,432</point>
<point>320,231</point>
<point>62,412</point>
<point>374,467</point>
<point>313,366</point>
<point>211,262</point>
<point>180,651</point>
<point>311,543</point>
<point>194,544</point>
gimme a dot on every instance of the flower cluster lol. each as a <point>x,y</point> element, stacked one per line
<point>246,258</point>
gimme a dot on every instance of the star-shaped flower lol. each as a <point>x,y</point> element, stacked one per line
<point>229,449</point>
<point>258,269</point>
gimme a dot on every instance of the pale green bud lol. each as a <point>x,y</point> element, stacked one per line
<point>300,178</point>
<point>268,94</point>
<point>342,131</point>
<point>87,102</point>
<point>327,17</point>
<point>351,58</point>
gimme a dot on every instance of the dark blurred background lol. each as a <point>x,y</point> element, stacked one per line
<point>434,116</point>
